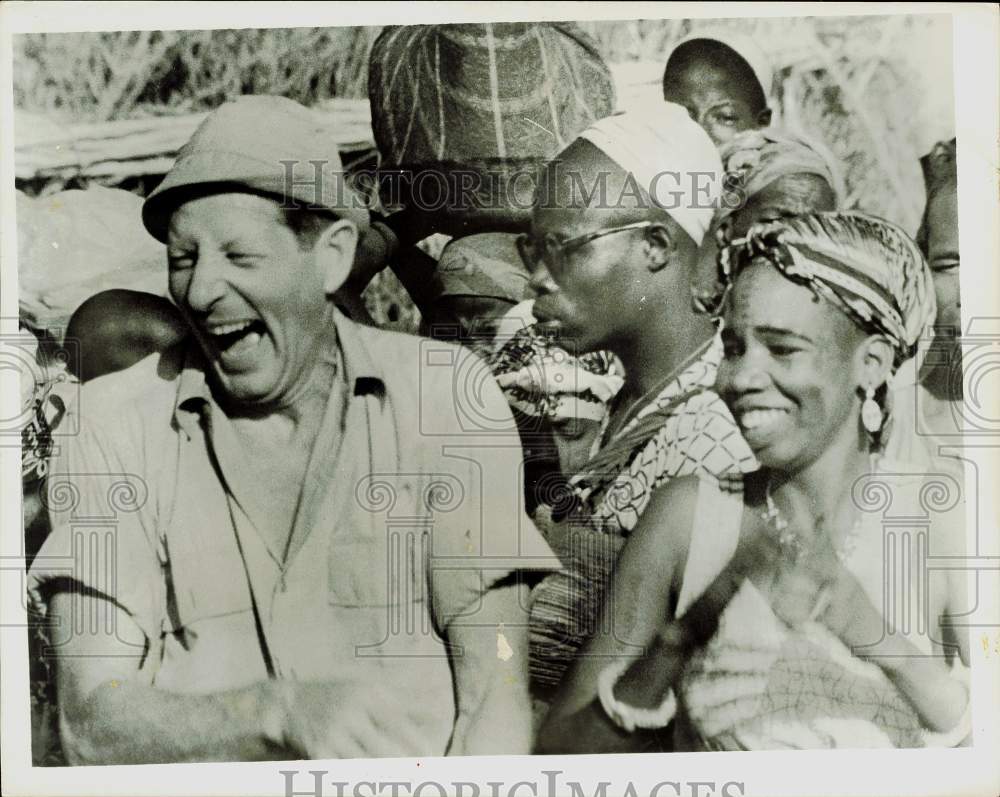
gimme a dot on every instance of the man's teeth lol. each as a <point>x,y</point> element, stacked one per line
<point>755,418</point>
<point>228,329</point>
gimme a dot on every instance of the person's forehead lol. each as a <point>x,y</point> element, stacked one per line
<point>942,223</point>
<point>763,297</point>
<point>704,78</point>
<point>235,211</point>
<point>561,221</point>
<point>942,204</point>
<point>580,193</point>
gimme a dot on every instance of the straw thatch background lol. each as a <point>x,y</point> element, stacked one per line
<point>876,90</point>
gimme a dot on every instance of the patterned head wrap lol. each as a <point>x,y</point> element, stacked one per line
<point>542,380</point>
<point>867,267</point>
<point>756,158</point>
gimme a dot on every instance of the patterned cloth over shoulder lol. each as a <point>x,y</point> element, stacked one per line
<point>686,429</point>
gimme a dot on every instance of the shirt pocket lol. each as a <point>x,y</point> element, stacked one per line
<point>378,599</point>
<point>378,572</point>
<point>379,554</point>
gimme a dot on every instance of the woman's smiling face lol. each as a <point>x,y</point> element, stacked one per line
<point>790,369</point>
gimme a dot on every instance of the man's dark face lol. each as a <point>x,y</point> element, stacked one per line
<point>723,100</point>
<point>590,298</point>
<point>941,221</point>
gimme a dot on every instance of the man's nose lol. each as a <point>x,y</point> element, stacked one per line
<point>541,281</point>
<point>207,283</point>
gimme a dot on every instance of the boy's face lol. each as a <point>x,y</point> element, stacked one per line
<point>718,99</point>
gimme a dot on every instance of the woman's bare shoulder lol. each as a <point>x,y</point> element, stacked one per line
<point>662,536</point>
<point>675,501</point>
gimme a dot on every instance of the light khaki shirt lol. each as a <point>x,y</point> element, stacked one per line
<point>411,510</point>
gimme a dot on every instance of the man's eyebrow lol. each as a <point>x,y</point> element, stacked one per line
<point>768,330</point>
<point>722,102</point>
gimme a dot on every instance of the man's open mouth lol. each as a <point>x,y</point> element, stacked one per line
<point>231,337</point>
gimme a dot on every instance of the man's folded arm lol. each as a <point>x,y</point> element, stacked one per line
<point>109,713</point>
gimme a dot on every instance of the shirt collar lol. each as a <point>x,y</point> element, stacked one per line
<point>360,371</point>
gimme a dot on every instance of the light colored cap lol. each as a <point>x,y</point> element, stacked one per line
<point>745,47</point>
<point>484,264</point>
<point>671,158</point>
<point>265,144</point>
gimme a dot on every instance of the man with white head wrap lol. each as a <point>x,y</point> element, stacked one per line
<point>612,250</point>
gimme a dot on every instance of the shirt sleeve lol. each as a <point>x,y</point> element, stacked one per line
<point>481,534</point>
<point>102,542</point>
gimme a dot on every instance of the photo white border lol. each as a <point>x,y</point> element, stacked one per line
<point>972,771</point>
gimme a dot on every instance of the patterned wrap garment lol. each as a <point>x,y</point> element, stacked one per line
<point>685,429</point>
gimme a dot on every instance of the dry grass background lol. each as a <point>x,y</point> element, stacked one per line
<point>876,90</point>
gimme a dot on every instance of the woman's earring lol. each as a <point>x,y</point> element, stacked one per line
<point>871,412</point>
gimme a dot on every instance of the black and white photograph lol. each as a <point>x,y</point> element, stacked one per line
<point>500,384</point>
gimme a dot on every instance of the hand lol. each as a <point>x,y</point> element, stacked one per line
<point>798,588</point>
<point>353,719</point>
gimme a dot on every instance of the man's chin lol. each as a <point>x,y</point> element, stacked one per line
<point>242,389</point>
<point>569,338</point>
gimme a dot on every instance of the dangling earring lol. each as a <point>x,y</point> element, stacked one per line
<point>871,412</point>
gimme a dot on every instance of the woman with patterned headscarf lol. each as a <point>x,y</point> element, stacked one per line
<point>772,583</point>
<point>771,174</point>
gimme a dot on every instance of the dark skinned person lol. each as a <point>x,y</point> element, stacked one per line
<point>613,266</point>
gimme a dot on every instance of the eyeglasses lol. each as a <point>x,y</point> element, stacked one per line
<point>548,249</point>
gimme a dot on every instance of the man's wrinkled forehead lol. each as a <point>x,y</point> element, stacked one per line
<point>222,213</point>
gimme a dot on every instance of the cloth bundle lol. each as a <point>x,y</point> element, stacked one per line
<point>494,98</point>
<point>756,158</point>
<point>74,244</point>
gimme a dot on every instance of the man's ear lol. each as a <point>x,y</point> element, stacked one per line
<point>334,251</point>
<point>764,118</point>
<point>875,358</point>
<point>658,246</point>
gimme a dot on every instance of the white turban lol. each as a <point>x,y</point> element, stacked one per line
<point>671,158</point>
